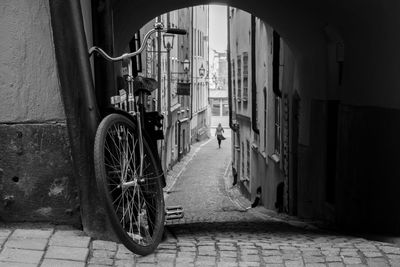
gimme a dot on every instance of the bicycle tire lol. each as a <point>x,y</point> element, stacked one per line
<point>136,212</point>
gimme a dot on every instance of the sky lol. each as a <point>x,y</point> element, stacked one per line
<point>218,29</point>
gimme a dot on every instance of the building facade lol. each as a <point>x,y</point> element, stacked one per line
<point>200,120</point>
<point>240,45</point>
<point>183,69</point>
<point>219,89</point>
<point>266,113</point>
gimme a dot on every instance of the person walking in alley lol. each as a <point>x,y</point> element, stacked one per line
<point>218,133</point>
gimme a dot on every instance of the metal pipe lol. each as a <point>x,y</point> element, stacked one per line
<point>229,72</point>
<point>192,64</point>
<point>82,115</point>
<point>169,114</point>
<point>253,77</point>
<point>103,36</point>
<point>276,46</point>
<point>159,67</point>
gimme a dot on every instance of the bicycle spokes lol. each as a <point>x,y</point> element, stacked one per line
<point>131,193</point>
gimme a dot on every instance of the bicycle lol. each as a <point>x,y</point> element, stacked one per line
<point>128,170</point>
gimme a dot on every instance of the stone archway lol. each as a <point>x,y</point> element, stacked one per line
<point>306,27</point>
<point>318,32</point>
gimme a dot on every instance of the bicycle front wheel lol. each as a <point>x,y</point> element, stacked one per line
<point>134,203</point>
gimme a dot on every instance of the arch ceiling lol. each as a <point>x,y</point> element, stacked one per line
<point>293,20</point>
<point>365,27</point>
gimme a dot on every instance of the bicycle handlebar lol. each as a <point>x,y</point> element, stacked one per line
<point>176,31</point>
<point>158,27</point>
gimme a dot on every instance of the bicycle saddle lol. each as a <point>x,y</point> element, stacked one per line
<point>144,84</point>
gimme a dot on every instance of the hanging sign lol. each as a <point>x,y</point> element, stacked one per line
<point>183,88</point>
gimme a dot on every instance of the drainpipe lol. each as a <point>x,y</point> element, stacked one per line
<point>159,68</point>
<point>103,36</point>
<point>169,113</point>
<point>208,57</point>
<point>229,72</point>
<point>82,115</point>
<point>253,77</point>
<point>161,142</point>
<point>231,102</point>
<point>192,64</point>
<point>275,64</point>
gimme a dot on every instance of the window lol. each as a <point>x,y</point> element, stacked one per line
<point>197,97</point>
<point>202,44</point>
<point>215,108</point>
<point>245,75</point>
<point>201,95</point>
<point>233,80</point>
<point>265,119</point>
<point>277,125</point>
<point>195,42</point>
<point>198,43</point>
<point>176,133</point>
<point>239,78</point>
<point>242,159</point>
<point>225,107</point>
<point>248,158</point>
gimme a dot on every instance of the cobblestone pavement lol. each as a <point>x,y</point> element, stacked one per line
<point>202,188</point>
<point>216,232</point>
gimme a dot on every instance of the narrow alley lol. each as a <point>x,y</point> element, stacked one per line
<point>108,115</point>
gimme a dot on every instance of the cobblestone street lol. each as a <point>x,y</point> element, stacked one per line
<point>216,231</point>
<point>203,188</point>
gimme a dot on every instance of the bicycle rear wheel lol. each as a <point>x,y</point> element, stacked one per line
<point>134,204</point>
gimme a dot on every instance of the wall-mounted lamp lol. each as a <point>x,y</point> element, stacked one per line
<point>168,41</point>
<point>186,65</point>
<point>202,71</point>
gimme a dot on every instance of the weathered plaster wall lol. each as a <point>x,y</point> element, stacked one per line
<point>29,89</point>
<point>36,174</point>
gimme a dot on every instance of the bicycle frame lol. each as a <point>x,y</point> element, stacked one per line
<point>137,113</point>
<point>138,103</point>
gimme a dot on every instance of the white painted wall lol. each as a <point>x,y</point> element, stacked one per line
<point>29,87</point>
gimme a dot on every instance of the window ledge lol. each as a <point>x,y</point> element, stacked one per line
<point>275,158</point>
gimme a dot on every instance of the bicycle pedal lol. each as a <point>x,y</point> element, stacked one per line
<point>174,213</point>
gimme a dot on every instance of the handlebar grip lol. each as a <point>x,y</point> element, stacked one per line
<point>176,31</point>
